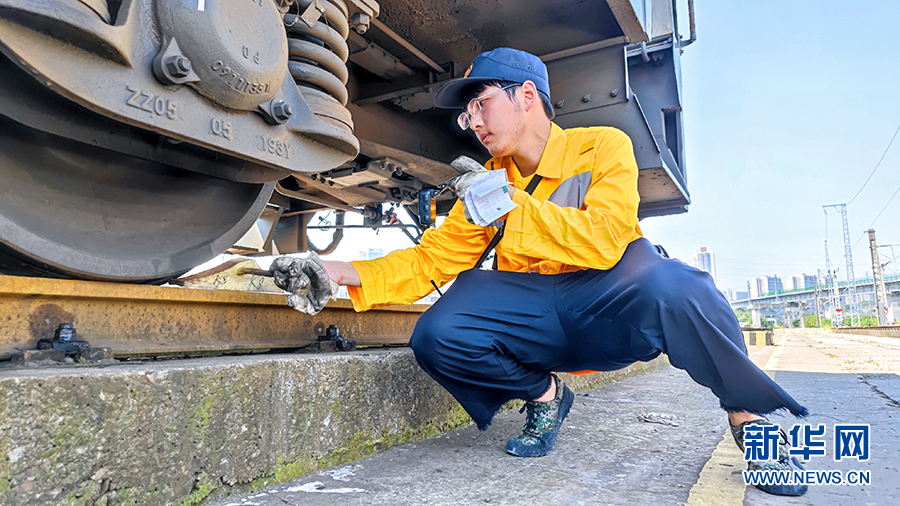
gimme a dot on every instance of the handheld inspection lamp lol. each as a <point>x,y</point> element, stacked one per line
<point>428,196</point>
<point>428,204</point>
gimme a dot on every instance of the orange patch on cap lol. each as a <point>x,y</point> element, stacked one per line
<point>467,72</point>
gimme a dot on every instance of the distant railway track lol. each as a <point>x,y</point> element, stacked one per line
<point>142,320</point>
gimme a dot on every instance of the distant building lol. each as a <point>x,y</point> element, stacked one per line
<point>705,260</point>
<point>736,295</point>
<point>801,282</point>
<point>431,298</point>
<point>756,288</point>
<point>809,282</point>
<point>371,254</point>
<point>794,283</point>
<point>764,285</point>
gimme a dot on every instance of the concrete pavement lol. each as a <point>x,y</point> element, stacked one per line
<point>607,454</point>
<point>846,379</point>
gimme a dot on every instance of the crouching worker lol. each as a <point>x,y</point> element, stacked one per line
<point>578,287</point>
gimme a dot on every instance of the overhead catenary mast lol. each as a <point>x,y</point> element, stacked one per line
<point>848,255</point>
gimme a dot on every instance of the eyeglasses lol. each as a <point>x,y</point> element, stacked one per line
<point>464,120</point>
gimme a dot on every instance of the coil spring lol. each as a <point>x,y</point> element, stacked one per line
<point>100,7</point>
<point>318,54</point>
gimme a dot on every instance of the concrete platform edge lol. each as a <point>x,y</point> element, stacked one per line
<point>759,337</point>
<point>186,431</point>
<point>863,331</point>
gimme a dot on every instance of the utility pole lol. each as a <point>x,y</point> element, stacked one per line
<point>878,281</point>
<point>818,316</point>
<point>835,296</point>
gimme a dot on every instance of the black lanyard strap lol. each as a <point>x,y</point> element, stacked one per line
<point>499,235</point>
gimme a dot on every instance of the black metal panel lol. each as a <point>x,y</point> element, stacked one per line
<point>641,98</point>
<point>657,84</point>
<point>457,30</point>
<point>588,81</point>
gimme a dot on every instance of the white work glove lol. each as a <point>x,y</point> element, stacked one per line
<point>472,173</point>
<point>307,281</point>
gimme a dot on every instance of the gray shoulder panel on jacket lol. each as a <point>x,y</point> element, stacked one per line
<point>571,192</point>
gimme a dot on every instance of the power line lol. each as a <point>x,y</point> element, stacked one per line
<point>877,165</point>
<point>860,239</point>
<point>885,206</point>
<point>860,191</point>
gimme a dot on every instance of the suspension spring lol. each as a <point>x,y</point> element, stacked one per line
<point>318,54</point>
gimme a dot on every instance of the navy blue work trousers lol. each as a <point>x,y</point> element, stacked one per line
<point>495,336</point>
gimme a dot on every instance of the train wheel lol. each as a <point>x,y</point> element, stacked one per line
<point>72,210</point>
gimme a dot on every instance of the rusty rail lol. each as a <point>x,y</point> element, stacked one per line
<point>136,320</point>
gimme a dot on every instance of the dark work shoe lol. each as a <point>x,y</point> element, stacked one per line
<point>784,463</point>
<point>542,423</point>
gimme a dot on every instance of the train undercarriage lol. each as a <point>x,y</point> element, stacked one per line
<point>140,138</point>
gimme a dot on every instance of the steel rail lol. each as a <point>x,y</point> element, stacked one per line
<point>142,320</point>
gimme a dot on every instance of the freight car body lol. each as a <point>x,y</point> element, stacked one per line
<point>140,138</point>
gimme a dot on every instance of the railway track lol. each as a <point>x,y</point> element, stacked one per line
<point>142,320</point>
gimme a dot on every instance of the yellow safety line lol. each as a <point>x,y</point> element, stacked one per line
<point>720,482</point>
<point>772,363</point>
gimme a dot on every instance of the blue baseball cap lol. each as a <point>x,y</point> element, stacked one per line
<point>502,64</point>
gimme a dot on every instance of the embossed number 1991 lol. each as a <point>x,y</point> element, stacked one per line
<point>274,146</point>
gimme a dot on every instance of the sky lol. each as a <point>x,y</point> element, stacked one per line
<point>788,106</point>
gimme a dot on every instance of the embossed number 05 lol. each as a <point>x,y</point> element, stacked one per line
<point>221,128</point>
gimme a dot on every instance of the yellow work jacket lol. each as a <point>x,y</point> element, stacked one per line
<point>582,215</point>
